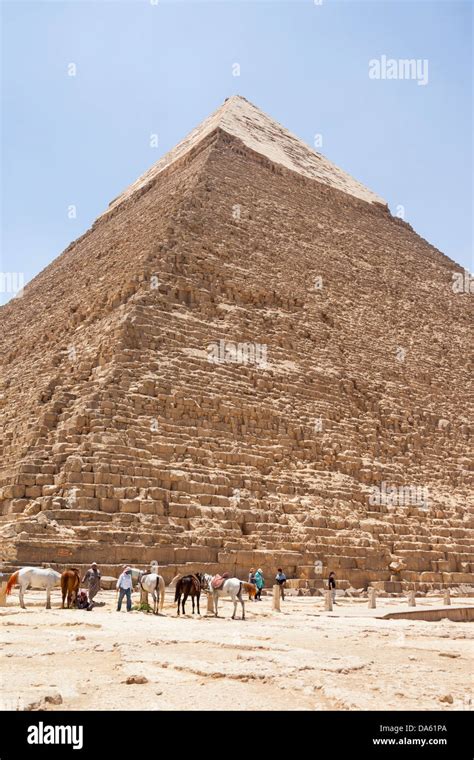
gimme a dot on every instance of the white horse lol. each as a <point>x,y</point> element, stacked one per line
<point>138,574</point>
<point>154,584</point>
<point>232,587</point>
<point>34,577</point>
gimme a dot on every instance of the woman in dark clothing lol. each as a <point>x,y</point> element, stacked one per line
<point>332,586</point>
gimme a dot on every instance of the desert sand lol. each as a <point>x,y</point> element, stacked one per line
<point>302,658</point>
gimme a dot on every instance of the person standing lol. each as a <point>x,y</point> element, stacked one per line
<point>332,586</point>
<point>260,583</point>
<point>124,586</point>
<point>91,581</point>
<point>252,580</point>
<point>280,578</point>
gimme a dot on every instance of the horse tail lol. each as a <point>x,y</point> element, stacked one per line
<point>176,579</point>
<point>13,579</point>
<point>64,582</point>
<point>177,592</point>
<point>161,581</point>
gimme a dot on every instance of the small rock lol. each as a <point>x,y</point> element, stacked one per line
<point>158,693</point>
<point>80,638</point>
<point>136,679</point>
<point>447,698</point>
<point>53,699</point>
<point>32,706</point>
<point>448,654</point>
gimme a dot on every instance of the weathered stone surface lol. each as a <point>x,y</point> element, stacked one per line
<point>117,427</point>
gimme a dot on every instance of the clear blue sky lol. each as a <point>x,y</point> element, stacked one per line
<point>144,68</point>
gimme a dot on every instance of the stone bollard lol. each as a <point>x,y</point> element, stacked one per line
<point>447,596</point>
<point>372,604</point>
<point>3,594</point>
<point>276,597</point>
<point>411,599</point>
<point>210,603</point>
<point>328,602</point>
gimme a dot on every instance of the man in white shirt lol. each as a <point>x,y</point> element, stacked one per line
<point>124,586</point>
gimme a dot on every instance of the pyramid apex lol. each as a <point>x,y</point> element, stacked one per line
<point>261,133</point>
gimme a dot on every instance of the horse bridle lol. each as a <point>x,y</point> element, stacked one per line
<point>205,583</point>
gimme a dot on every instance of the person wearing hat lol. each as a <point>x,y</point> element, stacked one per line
<point>124,587</point>
<point>92,582</point>
<point>260,583</point>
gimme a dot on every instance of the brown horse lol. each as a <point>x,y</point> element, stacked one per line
<point>188,585</point>
<point>70,582</point>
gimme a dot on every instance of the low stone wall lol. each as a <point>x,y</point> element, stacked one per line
<point>457,614</point>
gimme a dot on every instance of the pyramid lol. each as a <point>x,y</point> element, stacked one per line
<point>246,361</point>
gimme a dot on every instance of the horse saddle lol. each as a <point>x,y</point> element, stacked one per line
<point>218,580</point>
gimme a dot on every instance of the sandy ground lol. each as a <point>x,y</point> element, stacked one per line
<point>301,658</point>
